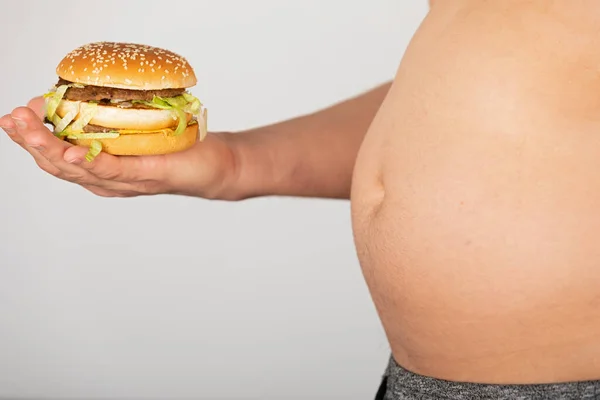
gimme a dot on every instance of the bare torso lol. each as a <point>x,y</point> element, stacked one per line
<point>476,197</point>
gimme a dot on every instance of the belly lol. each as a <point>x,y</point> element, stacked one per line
<point>476,200</point>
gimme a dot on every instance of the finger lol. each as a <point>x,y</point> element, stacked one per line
<point>38,104</point>
<point>9,127</point>
<point>34,134</point>
<point>122,175</point>
<point>126,169</point>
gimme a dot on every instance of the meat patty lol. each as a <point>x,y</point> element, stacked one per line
<point>98,93</point>
<point>97,129</point>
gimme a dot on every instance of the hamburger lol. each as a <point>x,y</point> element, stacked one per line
<point>125,99</point>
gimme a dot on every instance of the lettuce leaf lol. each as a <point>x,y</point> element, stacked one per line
<point>95,149</point>
<point>68,124</point>
<point>70,127</point>
<point>182,124</point>
<point>53,99</point>
<point>87,112</point>
<point>54,96</point>
<point>61,123</point>
<point>179,105</point>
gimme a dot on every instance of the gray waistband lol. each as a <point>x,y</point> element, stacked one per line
<point>405,385</point>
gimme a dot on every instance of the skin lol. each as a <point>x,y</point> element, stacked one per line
<point>473,179</point>
<point>226,166</point>
<point>476,191</point>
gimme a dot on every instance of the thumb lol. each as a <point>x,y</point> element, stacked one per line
<point>37,104</point>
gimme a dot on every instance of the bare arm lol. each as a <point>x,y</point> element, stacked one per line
<point>309,156</point>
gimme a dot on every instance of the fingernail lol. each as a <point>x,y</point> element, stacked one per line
<point>75,161</point>
<point>9,131</point>
<point>20,123</point>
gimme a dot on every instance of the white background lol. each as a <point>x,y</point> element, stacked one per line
<point>172,297</point>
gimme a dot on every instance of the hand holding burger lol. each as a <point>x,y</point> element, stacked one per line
<point>124,123</point>
<point>128,108</point>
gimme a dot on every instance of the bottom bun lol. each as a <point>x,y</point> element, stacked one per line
<point>145,144</point>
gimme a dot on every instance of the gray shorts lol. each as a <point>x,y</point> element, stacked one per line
<point>400,384</point>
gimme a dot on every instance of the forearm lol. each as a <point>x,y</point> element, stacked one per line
<point>308,156</point>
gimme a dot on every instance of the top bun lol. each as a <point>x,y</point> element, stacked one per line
<point>126,66</point>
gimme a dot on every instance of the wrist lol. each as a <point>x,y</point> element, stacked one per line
<point>207,171</point>
<point>226,180</point>
<point>250,170</point>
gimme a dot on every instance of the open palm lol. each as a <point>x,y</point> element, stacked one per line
<point>202,170</point>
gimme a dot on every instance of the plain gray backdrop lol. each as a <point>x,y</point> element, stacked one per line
<point>171,297</point>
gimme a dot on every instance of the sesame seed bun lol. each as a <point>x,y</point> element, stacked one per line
<point>126,66</point>
<point>143,144</point>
